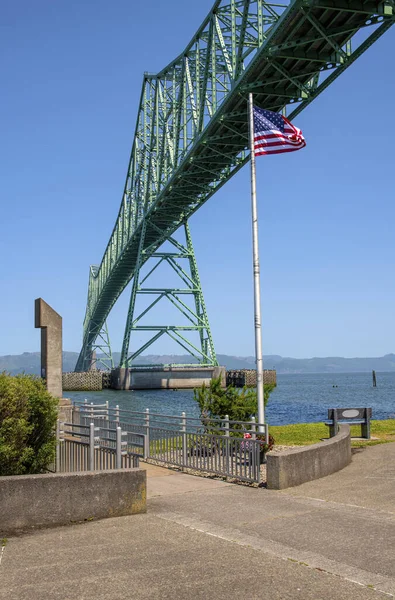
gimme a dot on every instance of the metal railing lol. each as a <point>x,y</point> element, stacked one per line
<point>232,449</point>
<point>87,448</point>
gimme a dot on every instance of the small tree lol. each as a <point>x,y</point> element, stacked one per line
<point>240,405</point>
<point>216,402</point>
<point>28,416</point>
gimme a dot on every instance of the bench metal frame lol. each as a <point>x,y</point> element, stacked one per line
<point>351,416</point>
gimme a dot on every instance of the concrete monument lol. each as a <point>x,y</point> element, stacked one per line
<point>50,324</point>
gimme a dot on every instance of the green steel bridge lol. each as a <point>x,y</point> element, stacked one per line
<point>191,136</point>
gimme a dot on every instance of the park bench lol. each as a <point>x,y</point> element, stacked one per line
<point>351,416</point>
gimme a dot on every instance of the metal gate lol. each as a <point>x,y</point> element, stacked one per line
<point>231,449</point>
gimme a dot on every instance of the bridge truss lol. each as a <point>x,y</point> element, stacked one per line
<point>191,132</point>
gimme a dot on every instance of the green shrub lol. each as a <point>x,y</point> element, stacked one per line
<point>240,405</point>
<point>28,415</point>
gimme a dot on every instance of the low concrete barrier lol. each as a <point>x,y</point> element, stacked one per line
<point>293,467</point>
<point>32,501</point>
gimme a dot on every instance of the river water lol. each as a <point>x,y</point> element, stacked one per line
<point>297,398</point>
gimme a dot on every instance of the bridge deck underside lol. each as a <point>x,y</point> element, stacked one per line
<point>280,72</point>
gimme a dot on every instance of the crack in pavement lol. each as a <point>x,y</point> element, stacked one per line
<point>312,560</point>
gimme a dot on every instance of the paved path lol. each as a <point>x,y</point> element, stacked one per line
<point>329,539</point>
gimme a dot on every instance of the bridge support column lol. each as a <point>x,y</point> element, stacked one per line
<point>90,360</point>
<point>195,315</point>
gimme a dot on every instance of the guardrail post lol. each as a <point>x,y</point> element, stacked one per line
<point>147,437</point>
<point>146,447</point>
<point>92,411</point>
<point>84,411</point>
<point>118,462</point>
<point>117,414</point>
<point>107,417</point>
<point>57,463</point>
<point>91,464</point>
<point>226,425</point>
<point>227,435</point>
<point>76,414</point>
<point>255,450</point>
<point>253,428</point>
<point>184,438</point>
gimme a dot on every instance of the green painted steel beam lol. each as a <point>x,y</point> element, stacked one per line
<point>91,359</point>
<point>191,128</point>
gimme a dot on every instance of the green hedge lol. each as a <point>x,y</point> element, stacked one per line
<point>28,415</point>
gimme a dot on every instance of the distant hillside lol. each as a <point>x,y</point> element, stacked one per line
<point>330,364</point>
<point>29,362</point>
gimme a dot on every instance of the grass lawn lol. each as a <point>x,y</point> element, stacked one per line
<point>302,434</point>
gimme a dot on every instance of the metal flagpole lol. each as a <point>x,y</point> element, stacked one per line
<point>257,278</point>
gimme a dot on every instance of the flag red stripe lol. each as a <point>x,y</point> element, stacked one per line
<point>281,142</point>
<point>262,151</point>
<point>272,136</point>
<point>284,143</point>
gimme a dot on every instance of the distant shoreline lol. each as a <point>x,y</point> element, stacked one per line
<point>369,371</point>
<point>29,362</point>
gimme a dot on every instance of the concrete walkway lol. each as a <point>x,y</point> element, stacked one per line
<point>329,539</point>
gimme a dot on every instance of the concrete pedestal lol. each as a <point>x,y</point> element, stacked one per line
<point>65,410</point>
<point>168,378</point>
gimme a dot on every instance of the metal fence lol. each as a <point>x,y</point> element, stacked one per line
<point>88,448</point>
<point>222,447</point>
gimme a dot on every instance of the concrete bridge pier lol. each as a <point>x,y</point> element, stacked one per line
<point>168,378</point>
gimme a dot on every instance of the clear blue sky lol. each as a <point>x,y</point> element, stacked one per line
<point>71,76</point>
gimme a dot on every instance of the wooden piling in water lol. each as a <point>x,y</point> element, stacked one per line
<point>374,379</point>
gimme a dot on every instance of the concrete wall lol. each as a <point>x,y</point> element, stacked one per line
<point>165,378</point>
<point>293,467</point>
<point>31,501</point>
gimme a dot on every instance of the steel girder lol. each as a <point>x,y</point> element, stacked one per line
<point>91,358</point>
<point>191,131</point>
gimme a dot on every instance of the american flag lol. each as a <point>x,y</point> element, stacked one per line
<point>274,134</point>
